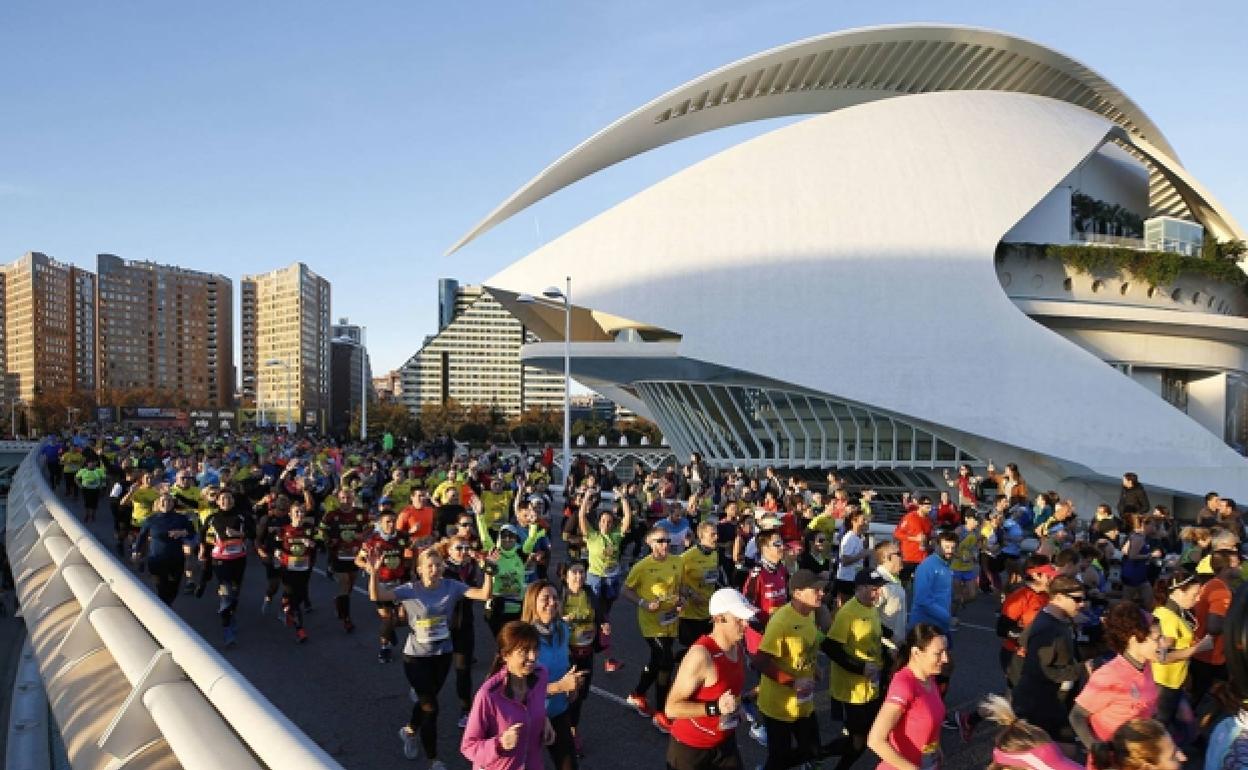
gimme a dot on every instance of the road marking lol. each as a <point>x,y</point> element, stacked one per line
<point>596,690</point>
<point>354,587</point>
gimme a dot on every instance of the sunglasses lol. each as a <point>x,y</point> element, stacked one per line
<point>463,523</point>
<point>661,541</point>
<point>774,544</point>
<point>462,548</point>
<point>1077,598</point>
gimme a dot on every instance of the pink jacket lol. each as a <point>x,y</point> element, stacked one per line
<point>493,711</point>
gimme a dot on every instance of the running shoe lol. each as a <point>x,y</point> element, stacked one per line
<point>578,744</point>
<point>383,655</point>
<point>264,605</point>
<point>662,723</point>
<point>611,665</point>
<point>301,636</point>
<point>411,746</point>
<point>189,588</point>
<point>965,728</point>
<point>412,696</point>
<point>639,703</point>
<point>347,625</point>
<point>288,618</point>
<point>437,765</point>
<point>231,636</point>
<point>758,731</point>
<point>463,720</point>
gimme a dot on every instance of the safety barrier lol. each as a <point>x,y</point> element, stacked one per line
<point>184,698</point>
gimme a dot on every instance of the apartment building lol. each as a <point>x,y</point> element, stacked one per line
<point>285,352</point>
<point>165,328</point>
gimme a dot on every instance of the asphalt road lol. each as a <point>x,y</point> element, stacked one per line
<point>334,688</point>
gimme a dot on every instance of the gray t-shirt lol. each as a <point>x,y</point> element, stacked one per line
<point>429,613</point>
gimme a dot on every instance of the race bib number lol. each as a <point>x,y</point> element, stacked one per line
<point>710,577</point>
<point>297,563</point>
<point>232,548</point>
<point>348,536</point>
<point>431,629</point>
<point>507,586</point>
<point>668,617</point>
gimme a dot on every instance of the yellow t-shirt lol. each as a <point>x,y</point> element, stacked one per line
<point>142,500</point>
<point>1173,627</point>
<point>657,580</point>
<point>579,614</point>
<point>857,627</point>
<point>699,579</point>
<point>790,638</point>
<point>966,555</point>
<point>825,523</point>
<point>495,507</point>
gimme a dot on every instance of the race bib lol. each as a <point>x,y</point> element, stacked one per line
<point>232,548</point>
<point>297,563</point>
<point>931,757</point>
<point>431,629</point>
<point>348,536</point>
<point>668,617</point>
<point>710,577</point>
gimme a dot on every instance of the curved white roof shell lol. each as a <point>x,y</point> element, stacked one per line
<point>842,69</point>
<point>773,241</point>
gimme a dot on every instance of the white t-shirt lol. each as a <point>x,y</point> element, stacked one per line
<point>851,545</point>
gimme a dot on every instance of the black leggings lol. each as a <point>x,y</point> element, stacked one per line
<point>229,573</point>
<point>583,661</point>
<point>295,593</point>
<point>791,743</point>
<point>168,574</point>
<point>426,675</point>
<point>658,670</point>
<point>463,641</point>
<point>563,750</point>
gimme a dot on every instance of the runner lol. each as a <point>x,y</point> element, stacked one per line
<point>906,733</point>
<point>225,538</point>
<point>1178,645</point>
<point>1017,612</point>
<point>706,694</point>
<point>392,552</point>
<point>1051,667</point>
<point>507,725</point>
<point>855,645</point>
<point>297,545</point>
<point>1142,744</point>
<point>604,545</point>
<point>169,538</point>
<point>461,564</point>
<point>582,610</point>
<point>273,522</point>
<point>1124,688</point>
<point>541,610</point>
<point>787,661</point>
<point>653,584</point>
<point>700,577</point>
<point>1020,745</point>
<point>90,479</point>
<point>429,602</point>
<point>342,530</point>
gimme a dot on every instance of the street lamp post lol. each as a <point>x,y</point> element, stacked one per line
<point>364,385</point>
<point>553,293</point>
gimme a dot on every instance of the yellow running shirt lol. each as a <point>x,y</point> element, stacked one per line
<point>857,628</point>
<point>791,639</point>
<point>699,579</point>
<point>657,580</point>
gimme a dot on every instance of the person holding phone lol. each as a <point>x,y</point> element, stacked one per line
<point>507,725</point>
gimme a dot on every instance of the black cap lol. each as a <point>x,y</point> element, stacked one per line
<point>804,578</point>
<point>872,578</point>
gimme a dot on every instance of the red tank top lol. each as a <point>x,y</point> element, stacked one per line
<point>703,732</point>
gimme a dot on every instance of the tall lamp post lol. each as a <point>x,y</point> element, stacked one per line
<point>554,294</point>
<point>290,419</point>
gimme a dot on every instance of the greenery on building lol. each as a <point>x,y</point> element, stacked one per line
<point>1156,268</point>
<point>1091,215</point>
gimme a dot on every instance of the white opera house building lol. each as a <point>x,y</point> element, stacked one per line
<point>973,248</point>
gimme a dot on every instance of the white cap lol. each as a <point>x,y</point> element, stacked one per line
<point>730,601</point>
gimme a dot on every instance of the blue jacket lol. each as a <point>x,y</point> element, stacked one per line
<point>165,534</point>
<point>933,593</point>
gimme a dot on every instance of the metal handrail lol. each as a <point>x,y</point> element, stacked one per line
<point>207,712</point>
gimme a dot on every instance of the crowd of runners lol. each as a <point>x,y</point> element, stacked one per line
<point>757,596</point>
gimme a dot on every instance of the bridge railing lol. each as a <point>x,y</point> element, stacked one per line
<point>182,691</point>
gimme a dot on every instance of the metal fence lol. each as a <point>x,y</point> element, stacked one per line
<point>184,697</point>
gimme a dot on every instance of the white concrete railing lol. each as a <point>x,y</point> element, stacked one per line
<point>182,691</point>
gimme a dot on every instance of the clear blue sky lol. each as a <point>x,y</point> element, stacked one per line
<point>365,138</point>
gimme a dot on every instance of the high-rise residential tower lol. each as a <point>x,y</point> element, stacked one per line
<point>167,329</point>
<point>285,357</point>
<point>475,358</point>
<point>49,324</point>
<point>351,375</point>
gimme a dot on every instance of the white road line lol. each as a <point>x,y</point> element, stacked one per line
<point>323,573</point>
<point>596,690</point>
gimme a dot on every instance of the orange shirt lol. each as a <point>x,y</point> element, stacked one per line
<point>1022,606</point>
<point>1215,599</point>
<point>913,523</point>
<point>417,522</point>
